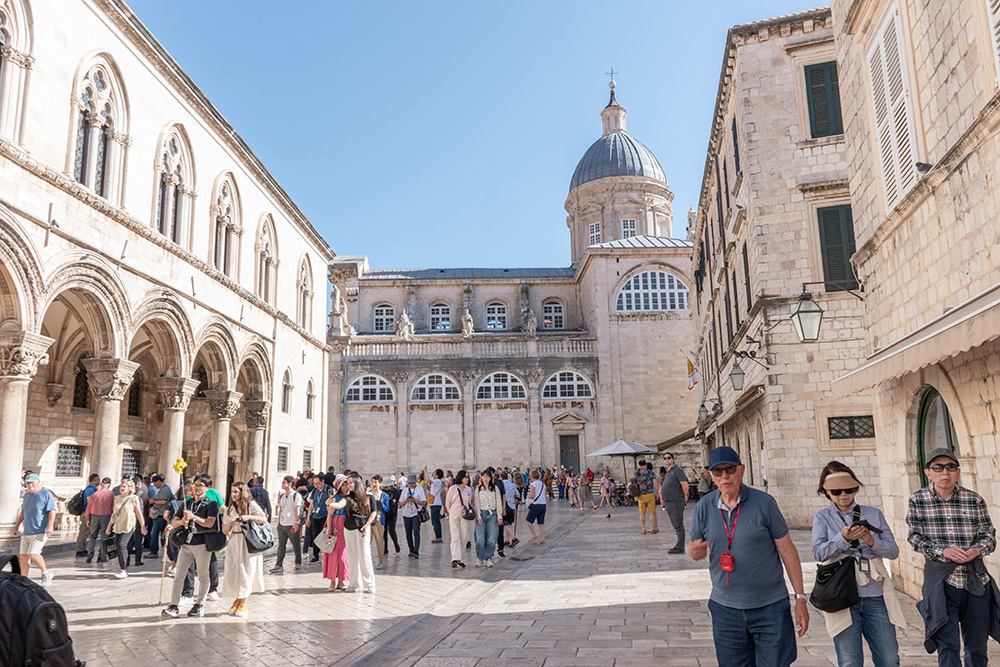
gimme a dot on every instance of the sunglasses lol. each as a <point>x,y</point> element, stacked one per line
<point>837,492</point>
<point>941,467</point>
<point>668,458</point>
<point>719,471</point>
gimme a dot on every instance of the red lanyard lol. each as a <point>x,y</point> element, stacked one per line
<point>730,533</point>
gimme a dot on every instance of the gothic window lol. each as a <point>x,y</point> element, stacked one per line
<point>266,261</point>
<point>500,387</point>
<point>628,228</point>
<point>286,392</point>
<point>226,229</point>
<point>440,317</point>
<point>567,384</point>
<point>135,397</point>
<point>201,375</point>
<point>173,186</point>
<point>384,318</point>
<point>435,387</point>
<point>15,40</point>
<point>100,129</point>
<point>552,315</point>
<point>310,400</point>
<point>304,290</point>
<point>652,290</point>
<point>496,315</point>
<point>369,389</point>
<point>81,388</point>
<point>595,233</point>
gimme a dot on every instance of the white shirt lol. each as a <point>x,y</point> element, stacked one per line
<point>537,495</point>
<point>410,509</point>
<point>437,486</point>
<point>290,506</point>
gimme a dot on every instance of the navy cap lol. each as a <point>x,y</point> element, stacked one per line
<point>721,456</point>
<point>157,478</point>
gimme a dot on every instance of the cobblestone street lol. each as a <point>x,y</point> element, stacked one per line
<point>597,594</point>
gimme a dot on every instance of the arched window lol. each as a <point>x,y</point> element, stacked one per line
<point>500,387</point>
<point>496,315</point>
<point>435,387</point>
<point>286,392</point>
<point>567,384</point>
<point>175,186</point>
<point>267,262</point>
<point>310,400</point>
<point>135,397</point>
<point>227,228</point>
<point>305,294</point>
<point>101,130</point>
<point>81,387</point>
<point>552,315</point>
<point>384,318</point>
<point>369,389</point>
<point>15,47</point>
<point>440,317</point>
<point>936,428</point>
<point>652,290</point>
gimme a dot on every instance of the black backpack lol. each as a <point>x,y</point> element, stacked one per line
<point>76,505</point>
<point>33,631</point>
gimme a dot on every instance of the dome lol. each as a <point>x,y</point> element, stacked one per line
<point>616,154</point>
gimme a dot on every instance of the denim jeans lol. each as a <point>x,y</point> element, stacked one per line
<point>412,526</point>
<point>486,535</point>
<point>761,637</point>
<point>436,521</point>
<point>155,530</point>
<point>869,619</point>
<point>972,614</point>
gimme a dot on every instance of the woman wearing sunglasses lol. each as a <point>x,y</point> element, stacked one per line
<point>845,528</point>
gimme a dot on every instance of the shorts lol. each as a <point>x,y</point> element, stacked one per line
<point>537,513</point>
<point>32,544</point>
<point>508,516</point>
<point>647,503</point>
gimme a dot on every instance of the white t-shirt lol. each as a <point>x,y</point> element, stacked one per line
<point>437,486</point>
<point>537,495</point>
<point>290,505</point>
<point>410,509</point>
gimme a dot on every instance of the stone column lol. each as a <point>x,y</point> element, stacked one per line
<point>177,393</point>
<point>222,406</point>
<point>109,382</point>
<point>95,126</point>
<point>20,355</point>
<point>257,414</point>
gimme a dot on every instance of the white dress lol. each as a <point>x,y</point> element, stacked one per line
<point>244,571</point>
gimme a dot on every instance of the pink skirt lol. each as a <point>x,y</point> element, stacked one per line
<point>335,562</point>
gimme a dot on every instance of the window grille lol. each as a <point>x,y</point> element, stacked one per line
<point>69,461</point>
<point>844,428</point>
<point>130,462</point>
<point>282,459</point>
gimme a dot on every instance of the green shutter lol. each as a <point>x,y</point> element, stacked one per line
<point>823,94</point>
<point>836,234</point>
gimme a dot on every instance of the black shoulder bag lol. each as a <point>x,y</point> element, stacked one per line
<point>836,586</point>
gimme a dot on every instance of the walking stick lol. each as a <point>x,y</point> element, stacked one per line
<point>163,570</point>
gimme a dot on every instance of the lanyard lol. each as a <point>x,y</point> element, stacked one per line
<point>730,533</point>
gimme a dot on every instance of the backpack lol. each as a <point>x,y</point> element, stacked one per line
<point>76,504</point>
<point>33,630</point>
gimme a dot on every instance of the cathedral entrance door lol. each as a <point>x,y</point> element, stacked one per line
<point>569,451</point>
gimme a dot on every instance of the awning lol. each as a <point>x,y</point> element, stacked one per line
<point>676,440</point>
<point>973,323</point>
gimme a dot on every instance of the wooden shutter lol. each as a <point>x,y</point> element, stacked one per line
<point>891,104</point>
<point>993,9</point>
<point>836,235</point>
<point>823,94</point>
<point>736,145</point>
<point>746,276</point>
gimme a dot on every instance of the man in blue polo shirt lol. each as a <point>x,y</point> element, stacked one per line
<point>745,537</point>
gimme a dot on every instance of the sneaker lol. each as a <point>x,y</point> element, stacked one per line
<point>298,566</point>
<point>397,548</point>
<point>501,554</point>
<point>90,558</point>
<point>675,550</point>
<point>479,563</point>
<point>413,555</point>
<point>435,541</point>
<point>489,562</point>
<point>454,564</point>
<point>80,554</point>
<point>122,574</point>
<point>170,571</point>
<point>172,611</point>
<point>514,542</point>
<point>213,596</point>
<point>313,561</point>
<point>47,577</point>
<point>416,555</point>
<point>276,569</point>
<point>187,599</point>
<point>196,610</point>
<point>461,564</point>
<point>380,566</point>
<point>242,612</point>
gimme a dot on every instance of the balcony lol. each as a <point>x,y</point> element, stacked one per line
<point>494,347</point>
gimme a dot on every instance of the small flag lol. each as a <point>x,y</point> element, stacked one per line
<point>692,375</point>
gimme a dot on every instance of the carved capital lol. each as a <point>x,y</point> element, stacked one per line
<point>110,379</point>
<point>172,179</point>
<point>400,378</point>
<point>533,375</point>
<point>95,120</point>
<point>122,139</point>
<point>467,376</point>
<point>21,353</point>
<point>176,391</point>
<point>257,413</point>
<point>223,404</point>
<point>20,59</point>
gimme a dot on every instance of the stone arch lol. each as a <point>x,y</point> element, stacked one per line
<point>215,345</point>
<point>169,331</point>
<point>16,36</point>
<point>174,185</point>
<point>259,376</point>
<point>934,377</point>
<point>20,277</point>
<point>18,25</point>
<point>304,292</point>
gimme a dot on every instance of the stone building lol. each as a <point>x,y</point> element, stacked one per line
<point>156,283</point>
<point>540,366</point>
<point>775,219</point>
<point>922,117</point>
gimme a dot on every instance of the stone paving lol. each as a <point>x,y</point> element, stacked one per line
<point>597,594</point>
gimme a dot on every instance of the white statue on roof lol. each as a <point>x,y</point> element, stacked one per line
<point>404,327</point>
<point>468,326</point>
<point>529,323</point>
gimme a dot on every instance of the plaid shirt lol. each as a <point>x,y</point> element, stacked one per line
<point>961,521</point>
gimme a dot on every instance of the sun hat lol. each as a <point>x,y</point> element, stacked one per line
<point>340,479</point>
<point>411,478</point>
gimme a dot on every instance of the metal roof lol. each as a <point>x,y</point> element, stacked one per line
<point>645,241</point>
<point>616,154</point>
<point>469,274</point>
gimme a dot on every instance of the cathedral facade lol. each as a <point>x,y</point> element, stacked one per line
<point>472,367</point>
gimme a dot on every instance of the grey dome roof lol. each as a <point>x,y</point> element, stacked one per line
<point>616,154</point>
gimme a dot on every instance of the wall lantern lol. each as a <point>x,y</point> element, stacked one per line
<point>737,376</point>
<point>807,318</point>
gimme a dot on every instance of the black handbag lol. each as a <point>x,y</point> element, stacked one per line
<point>836,587</point>
<point>216,541</point>
<point>468,513</point>
<point>259,536</point>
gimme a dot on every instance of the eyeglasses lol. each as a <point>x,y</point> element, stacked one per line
<point>941,467</point>
<point>837,492</point>
<point>719,471</point>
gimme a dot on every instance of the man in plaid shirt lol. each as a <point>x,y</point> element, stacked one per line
<point>950,524</point>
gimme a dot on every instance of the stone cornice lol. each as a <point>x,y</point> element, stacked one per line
<point>824,187</point>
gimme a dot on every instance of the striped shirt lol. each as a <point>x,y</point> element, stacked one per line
<point>961,521</point>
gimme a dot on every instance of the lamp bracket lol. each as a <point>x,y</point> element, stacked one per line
<point>846,287</point>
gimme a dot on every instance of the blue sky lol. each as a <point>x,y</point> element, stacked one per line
<point>427,134</point>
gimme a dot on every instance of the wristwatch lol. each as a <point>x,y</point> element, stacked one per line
<point>800,596</point>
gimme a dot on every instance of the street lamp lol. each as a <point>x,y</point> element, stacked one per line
<point>806,318</point>
<point>702,414</point>
<point>737,376</point>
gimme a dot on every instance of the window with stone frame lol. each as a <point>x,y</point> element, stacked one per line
<point>310,400</point>
<point>135,397</point>
<point>81,387</point>
<point>837,246</point>
<point>823,100</point>
<point>440,317</point>
<point>95,126</point>
<point>435,387</point>
<point>174,172</point>
<point>496,315</point>
<point>652,290</point>
<point>131,462</point>
<point>305,293</point>
<point>307,459</point>
<point>225,245</point>
<point>567,384</point>
<point>69,461</point>
<point>286,392</point>
<point>849,428</point>
<point>500,387</point>
<point>384,318</point>
<point>595,233</point>
<point>282,458</point>
<point>553,315</point>
<point>267,262</point>
<point>369,389</point>
<point>628,228</point>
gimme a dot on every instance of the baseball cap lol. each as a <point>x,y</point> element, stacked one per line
<point>931,455</point>
<point>31,478</point>
<point>156,478</point>
<point>723,456</point>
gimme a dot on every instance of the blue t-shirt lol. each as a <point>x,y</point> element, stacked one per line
<point>36,508</point>
<point>757,579</point>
